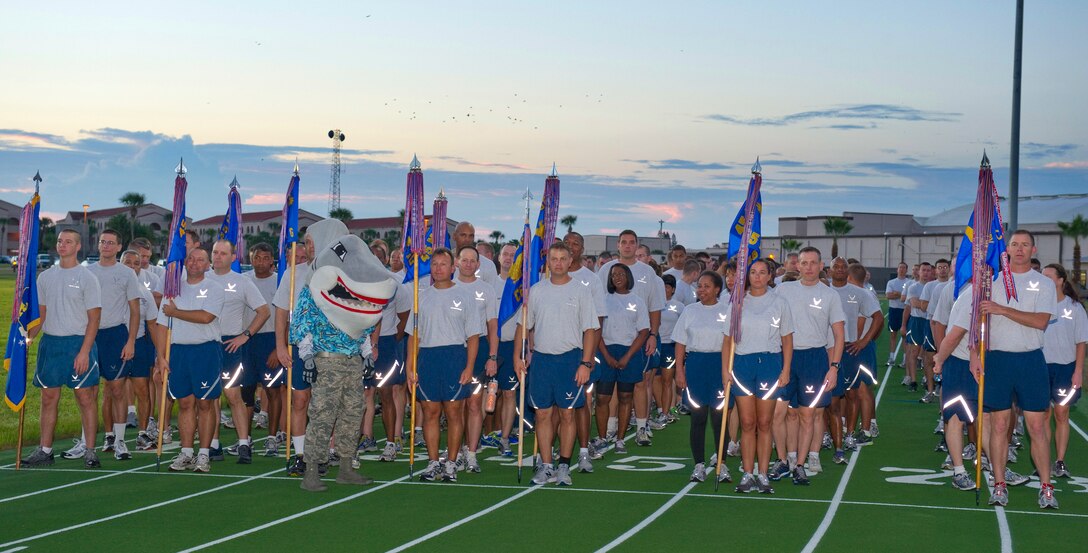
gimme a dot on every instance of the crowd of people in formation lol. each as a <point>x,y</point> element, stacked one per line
<point>619,338</point>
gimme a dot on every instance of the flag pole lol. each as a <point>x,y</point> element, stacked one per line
<point>978,419</point>
<point>415,359</point>
<point>725,415</point>
<point>290,350</point>
<point>163,417</point>
<point>524,332</point>
<point>418,244</point>
<point>26,351</point>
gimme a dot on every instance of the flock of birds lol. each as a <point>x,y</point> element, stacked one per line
<point>473,114</point>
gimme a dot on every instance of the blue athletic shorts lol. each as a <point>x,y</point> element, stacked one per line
<point>895,318</point>
<point>482,351</point>
<point>847,373</point>
<point>667,356</point>
<point>631,374</point>
<point>653,362</point>
<point>144,359</point>
<point>56,358</point>
<point>440,373</point>
<point>233,370</point>
<point>959,390</point>
<point>194,370</point>
<point>551,381</point>
<point>258,348</point>
<point>917,330</point>
<point>756,374</point>
<point>1061,384</point>
<point>110,341</point>
<point>703,371</point>
<point>1023,374</point>
<point>866,365</point>
<point>807,371</point>
<point>298,382</point>
<point>508,379</point>
<point>389,368</point>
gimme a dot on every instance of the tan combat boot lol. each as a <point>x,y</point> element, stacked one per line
<point>311,480</point>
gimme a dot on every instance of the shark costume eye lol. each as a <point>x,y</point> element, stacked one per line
<point>340,251</point>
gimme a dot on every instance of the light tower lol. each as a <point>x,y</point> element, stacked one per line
<point>334,180</point>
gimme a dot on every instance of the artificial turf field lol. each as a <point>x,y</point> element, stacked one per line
<point>891,496</point>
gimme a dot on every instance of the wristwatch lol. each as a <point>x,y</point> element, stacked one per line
<point>587,364</point>
<point>835,365</point>
<point>247,333</point>
<point>492,357</point>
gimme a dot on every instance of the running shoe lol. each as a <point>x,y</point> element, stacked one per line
<point>655,423</point>
<point>874,430</point>
<point>849,443</point>
<point>449,472</point>
<point>367,444</point>
<point>271,447</point>
<point>642,438</point>
<point>490,440</point>
<point>764,484</point>
<point>334,459</point>
<point>941,446</point>
<point>232,449</point>
<point>779,469</point>
<point>912,387</point>
<point>183,462</point>
<point>813,464</point>
<point>682,409</point>
<point>584,464</point>
<point>389,454</point>
<point>928,397</point>
<point>296,466</point>
<point>77,450</point>
<point>1060,470</point>
<point>947,464</point>
<point>747,484</point>
<point>419,438</point>
<point>216,454</point>
<point>245,454</point>
<point>144,442</point>
<point>562,475</point>
<point>90,460</point>
<point>471,464</point>
<point>39,459</point>
<point>107,444</point>
<point>260,420</point>
<point>699,474</point>
<point>940,425</point>
<point>906,380</point>
<point>733,449</point>
<point>431,473</point>
<point>963,482</point>
<point>1019,430</point>
<point>999,496</point>
<point>1015,442</point>
<point>969,451</point>
<point>226,420</point>
<point>862,439</point>
<point>799,476</point>
<point>1046,497</point>
<point>168,435</point>
<point>1014,478</point>
<point>542,475</point>
<point>504,448</point>
<point>724,475</point>
<point>839,458</point>
<point>610,436</point>
<point>130,420</point>
<point>827,443</point>
<point>120,451</point>
<point>621,448</point>
<point>597,447</point>
<point>1012,454</point>
<point>203,463</point>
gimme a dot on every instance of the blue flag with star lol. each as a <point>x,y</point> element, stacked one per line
<point>25,315</point>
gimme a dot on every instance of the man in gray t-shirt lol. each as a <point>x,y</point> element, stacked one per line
<point>70,304</point>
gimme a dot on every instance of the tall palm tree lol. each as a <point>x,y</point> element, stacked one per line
<point>1075,229</point>
<point>369,235</point>
<point>342,213</point>
<point>789,245</point>
<point>569,220</point>
<point>496,239</point>
<point>133,200</point>
<point>836,227</point>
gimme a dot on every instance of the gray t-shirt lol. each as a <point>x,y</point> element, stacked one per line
<point>1036,294</point>
<point>673,308</point>
<point>282,298</point>
<point>648,285</point>
<point>447,317</point>
<point>119,286</point>
<point>814,309</point>
<point>67,294</point>
<point>1067,329</point>
<point>701,328</point>
<point>763,322</point>
<point>559,314</point>
<point>589,279</point>
<point>627,315</point>
<point>932,294</point>
<point>150,281</point>
<point>148,311</point>
<point>206,295</point>
<point>851,297</point>
<point>488,273</point>
<point>897,285</point>
<point>915,292</point>
<point>869,306</point>
<point>961,317</point>
<point>239,295</point>
<point>483,297</point>
<point>267,287</point>
<point>401,302</point>
<point>943,310</point>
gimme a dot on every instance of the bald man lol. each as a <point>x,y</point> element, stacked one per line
<point>464,234</point>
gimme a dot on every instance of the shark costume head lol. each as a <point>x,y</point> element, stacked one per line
<point>349,285</point>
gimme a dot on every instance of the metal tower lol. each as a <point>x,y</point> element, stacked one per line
<point>334,180</point>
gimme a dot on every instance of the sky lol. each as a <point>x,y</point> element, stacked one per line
<point>650,112</point>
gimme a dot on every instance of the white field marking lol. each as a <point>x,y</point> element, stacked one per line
<point>836,500</point>
<point>1074,426</point>
<point>469,518</point>
<point>648,520</point>
<point>14,549</point>
<point>1002,526</point>
<point>137,510</point>
<point>69,485</point>
<point>293,517</point>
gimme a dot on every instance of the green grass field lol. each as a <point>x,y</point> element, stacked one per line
<point>891,496</point>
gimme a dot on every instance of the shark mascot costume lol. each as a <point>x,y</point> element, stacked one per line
<point>335,315</point>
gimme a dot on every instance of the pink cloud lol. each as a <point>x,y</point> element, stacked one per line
<point>277,198</point>
<point>1067,165</point>
<point>671,213</point>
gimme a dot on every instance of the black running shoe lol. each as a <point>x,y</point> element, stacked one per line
<point>296,466</point>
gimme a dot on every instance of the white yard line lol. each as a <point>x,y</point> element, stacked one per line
<point>648,520</point>
<point>134,511</point>
<point>470,518</point>
<point>293,517</point>
<point>69,485</point>
<point>836,500</point>
<point>1074,426</point>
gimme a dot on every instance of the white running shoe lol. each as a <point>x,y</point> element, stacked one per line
<point>77,450</point>
<point>584,464</point>
<point>699,474</point>
<point>203,463</point>
<point>733,450</point>
<point>120,451</point>
<point>183,462</point>
<point>813,465</point>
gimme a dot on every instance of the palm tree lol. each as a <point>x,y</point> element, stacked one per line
<point>133,200</point>
<point>789,245</point>
<point>369,235</point>
<point>1075,229</point>
<point>836,227</point>
<point>496,239</point>
<point>569,220</point>
<point>342,213</point>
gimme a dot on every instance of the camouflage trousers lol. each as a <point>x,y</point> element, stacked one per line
<point>336,403</point>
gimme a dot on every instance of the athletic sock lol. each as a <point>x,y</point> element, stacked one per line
<point>640,423</point>
<point>613,424</point>
<point>583,451</point>
<point>47,450</point>
<point>298,442</point>
<point>83,436</point>
<point>131,409</point>
<point>119,430</point>
<point>791,456</point>
<point>215,443</point>
<point>205,451</point>
<point>187,451</point>
<point>958,469</point>
<point>244,441</point>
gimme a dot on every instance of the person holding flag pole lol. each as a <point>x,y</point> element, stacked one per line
<point>515,296</point>
<point>25,316</point>
<point>175,258</point>
<point>413,240</point>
